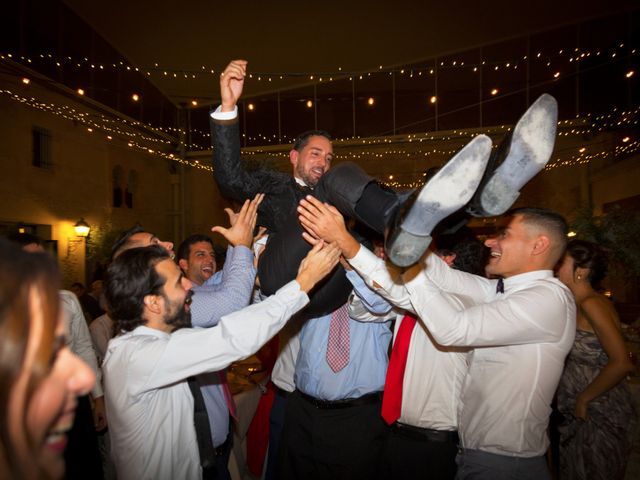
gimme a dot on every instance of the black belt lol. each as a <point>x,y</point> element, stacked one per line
<point>444,436</point>
<point>367,399</point>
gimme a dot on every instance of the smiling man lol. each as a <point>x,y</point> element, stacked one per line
<point>521,330</point>
<point>197,259</point>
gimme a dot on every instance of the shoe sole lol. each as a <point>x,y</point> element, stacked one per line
<point>530,149</point>
<point>449,190</point>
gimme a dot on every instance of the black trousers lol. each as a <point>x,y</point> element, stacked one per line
<point>344,443</point>
<point>343,187</point>
<point>409,457</point>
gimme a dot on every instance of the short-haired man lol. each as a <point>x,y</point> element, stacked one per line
<point>147,366</point>
<point>521,329</point>
<point>196,256</point>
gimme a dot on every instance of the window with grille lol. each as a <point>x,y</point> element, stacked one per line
<point>42,148</point>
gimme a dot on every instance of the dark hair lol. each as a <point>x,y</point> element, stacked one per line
<point>301,140</point>
<point>20,274</point>
<point>591,256</point>
<point>23,239</point>
<point>122,242</point>
<point>130,277</point>
<point>471,254</point>
<point>185,247</point>
<point>551,222</point>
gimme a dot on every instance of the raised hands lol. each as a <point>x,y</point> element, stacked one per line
<point>231,84</point>
<point>324,222</point>
<point>317,264</point>
<point>242,223</point>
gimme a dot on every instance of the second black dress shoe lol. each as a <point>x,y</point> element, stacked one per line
<point>518,158</point>
<point>409,234</point>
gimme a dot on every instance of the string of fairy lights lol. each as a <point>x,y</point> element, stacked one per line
<point>556,57</point>
<point>350,149</point>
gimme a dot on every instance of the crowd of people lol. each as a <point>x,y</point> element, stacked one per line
<point>408,348</point>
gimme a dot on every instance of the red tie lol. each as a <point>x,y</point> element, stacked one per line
<point>338,342</point>
<point>392,398</point>
<point>231,405</point>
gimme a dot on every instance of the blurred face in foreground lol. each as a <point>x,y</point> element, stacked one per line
<point>38,422</point>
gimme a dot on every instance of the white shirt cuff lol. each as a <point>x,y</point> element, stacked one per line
<point>218,114</point>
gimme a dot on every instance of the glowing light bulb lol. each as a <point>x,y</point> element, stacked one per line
<point>371,101</point>
<point>135,97</point>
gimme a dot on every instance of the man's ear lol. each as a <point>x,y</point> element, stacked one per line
<point>541,245</point>
<point>152,304</point>
<point>183,264</point>
<point>449,259</point>
<point>293,157</point>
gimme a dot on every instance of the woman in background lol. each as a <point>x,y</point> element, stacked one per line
<point>596,435</point>
<point>39,376</point>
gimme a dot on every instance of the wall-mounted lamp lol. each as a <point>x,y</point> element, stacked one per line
<point>82,228</point>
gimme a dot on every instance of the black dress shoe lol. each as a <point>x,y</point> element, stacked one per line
<point>519,157</point>
<point>409,233</point>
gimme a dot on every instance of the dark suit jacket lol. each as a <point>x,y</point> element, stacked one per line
<point>237,183</point>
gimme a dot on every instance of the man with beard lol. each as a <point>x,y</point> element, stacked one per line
<point>146,367</point>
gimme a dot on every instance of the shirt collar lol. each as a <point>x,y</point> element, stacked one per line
<point>300,182</point>
<point>526,278</point>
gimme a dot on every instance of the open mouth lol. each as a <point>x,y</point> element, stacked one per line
<point>56,439</point>
<point>496,254</point>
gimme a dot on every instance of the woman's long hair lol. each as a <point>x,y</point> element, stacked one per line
<point>23,278</point>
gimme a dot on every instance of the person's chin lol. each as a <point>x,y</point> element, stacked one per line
<point>52,463</point>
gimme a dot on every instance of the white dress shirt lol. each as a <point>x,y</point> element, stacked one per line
<point>101,330</point>
<point>434,373</point>
<point>78,336</point>
<point>149,404</point>
<point>521,337</point>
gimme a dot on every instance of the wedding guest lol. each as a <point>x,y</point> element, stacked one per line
<point>596,436</point>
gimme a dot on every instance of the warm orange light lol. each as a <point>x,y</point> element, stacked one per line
<point>194,103</point>
<point>556,75</point>
<point>371,101</point>
<point>135,97</point>
<point>26,81</point>
<point>630,74</point>
<point>309,104</point>
<point>80,91</point>
<point>250,106</point>
<point>433,99</point>
<point>582,150</point>
<point>494,91</point>
<point>625,139</point>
